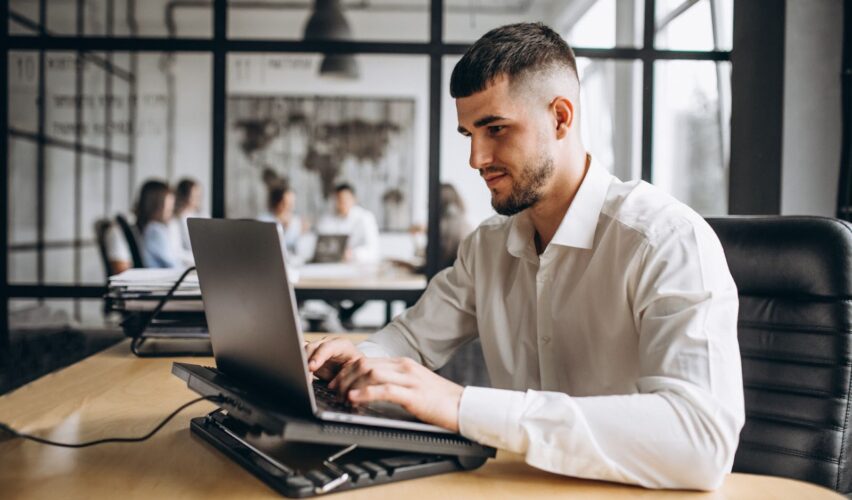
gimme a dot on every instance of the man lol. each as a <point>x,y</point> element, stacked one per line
<point>355,221</point>
<point>606,310</point>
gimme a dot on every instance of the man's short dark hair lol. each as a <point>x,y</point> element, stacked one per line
<point>344,186</point>
<point>513,51</point>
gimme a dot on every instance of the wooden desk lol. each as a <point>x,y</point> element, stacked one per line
<point>115,394</point>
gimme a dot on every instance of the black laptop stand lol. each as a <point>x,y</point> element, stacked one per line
<point>300,456</point>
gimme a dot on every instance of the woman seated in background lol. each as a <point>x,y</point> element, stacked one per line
<point>154,209</point>
<point>187,204</point>
<point>281,203</point>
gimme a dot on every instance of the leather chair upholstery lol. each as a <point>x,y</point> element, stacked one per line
<point>794,276</point>
<point>133,240</point>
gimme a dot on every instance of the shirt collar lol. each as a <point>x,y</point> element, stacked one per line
<point>578,226</point>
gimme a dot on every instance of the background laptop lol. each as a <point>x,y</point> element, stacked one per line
<point>254,324</point>
<point>330,248</point>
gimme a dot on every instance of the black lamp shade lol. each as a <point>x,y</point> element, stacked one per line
<point>327,22</point>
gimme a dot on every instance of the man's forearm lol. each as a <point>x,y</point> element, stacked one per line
<point>660,440</point>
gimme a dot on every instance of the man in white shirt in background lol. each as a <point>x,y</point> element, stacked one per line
<point>355,221</point>
<point>606,310</point>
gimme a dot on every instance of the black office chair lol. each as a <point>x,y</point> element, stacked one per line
<point>133,240</point>
<point>794,276</point>
<point>101,228</point>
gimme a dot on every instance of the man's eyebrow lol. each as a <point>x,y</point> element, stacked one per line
<point>485,120</point>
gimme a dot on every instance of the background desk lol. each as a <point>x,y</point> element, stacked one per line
<point>330,282</point>
<point>115,394</point>
<point>385,282</point>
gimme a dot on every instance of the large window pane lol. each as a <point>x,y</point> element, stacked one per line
<point>22,265</point>
<point>20,13</point>
<point>376,20</point>
<point>611,114</point>
<point>690,25</point>
<point>610,121</point>
<point>587,23</point>
<point>173,115</point>
<point>23,188</point>
<point>691,130</point>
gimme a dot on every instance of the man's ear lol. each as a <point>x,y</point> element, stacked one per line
<point>563,114</point>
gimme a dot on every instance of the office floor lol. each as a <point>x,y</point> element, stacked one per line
<point>34,353</point>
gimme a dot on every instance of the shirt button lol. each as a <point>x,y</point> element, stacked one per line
<point>545,340</point>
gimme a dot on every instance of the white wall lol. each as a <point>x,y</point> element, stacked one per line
<point>812,113</point>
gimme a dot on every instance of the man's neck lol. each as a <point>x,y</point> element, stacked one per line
<point>549,211</point>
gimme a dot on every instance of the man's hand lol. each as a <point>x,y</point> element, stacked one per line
<point>327,356</point>
<point>428,396</point>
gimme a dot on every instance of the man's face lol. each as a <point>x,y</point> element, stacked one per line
<point>508,145</point>
<point>344,201</point>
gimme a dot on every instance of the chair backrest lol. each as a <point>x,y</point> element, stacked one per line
<point>794,276</point>
<point>101,228</point>
<point>133,240</point>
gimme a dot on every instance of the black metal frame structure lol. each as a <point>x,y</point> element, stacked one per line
<point>219,46</point>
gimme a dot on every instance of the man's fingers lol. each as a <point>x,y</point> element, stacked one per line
<point>332,349</point>
<point>381,392</point>
<point>311,347</point>
<point>364,372</point>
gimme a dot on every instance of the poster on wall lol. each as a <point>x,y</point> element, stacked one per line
<point>316,143</point>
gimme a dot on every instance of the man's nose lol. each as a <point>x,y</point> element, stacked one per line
<point>480,154</point>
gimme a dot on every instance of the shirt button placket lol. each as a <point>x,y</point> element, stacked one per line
<point>544,324</point>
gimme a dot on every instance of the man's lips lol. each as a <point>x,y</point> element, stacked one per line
<point>492,179</point>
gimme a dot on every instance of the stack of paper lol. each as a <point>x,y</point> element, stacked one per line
<point>141,289</point>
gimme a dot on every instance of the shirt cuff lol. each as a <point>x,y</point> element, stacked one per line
<point>492,417</point>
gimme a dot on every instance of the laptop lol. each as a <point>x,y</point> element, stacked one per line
<point>254,324</point>
<point>330,248</point>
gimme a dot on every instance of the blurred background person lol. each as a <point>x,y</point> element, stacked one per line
<point>281,205</point>
<point>154,209</point>
<point>454,224</point>
<point>117,251</point>
<point>354,221</point>
<point>454,228</point>
<point>187,204</point>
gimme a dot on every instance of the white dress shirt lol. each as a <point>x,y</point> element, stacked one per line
<point>360,225</point>
<point>613,354</point>
<point>116,245</point>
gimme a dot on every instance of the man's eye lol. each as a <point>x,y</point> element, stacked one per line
<point>495,129</point>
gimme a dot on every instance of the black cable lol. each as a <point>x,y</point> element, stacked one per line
<point>139,336</point>
<point>6,428</point>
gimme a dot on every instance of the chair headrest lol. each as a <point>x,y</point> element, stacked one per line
<point>788,255</point>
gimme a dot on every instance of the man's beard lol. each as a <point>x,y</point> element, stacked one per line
<point>527,191</point>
